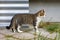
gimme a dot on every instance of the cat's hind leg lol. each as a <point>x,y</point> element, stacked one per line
<point>13,28</point>
<point>18,28</point>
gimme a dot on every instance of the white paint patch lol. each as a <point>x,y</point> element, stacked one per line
<point>14,0</point>
<point>14,11</point>
<point>14,5</point>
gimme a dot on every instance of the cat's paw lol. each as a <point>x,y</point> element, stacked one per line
<point>20,31</point>
<point>14,31</point>
<point>37,32</point>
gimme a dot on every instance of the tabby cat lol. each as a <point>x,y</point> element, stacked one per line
<point>33,19</point>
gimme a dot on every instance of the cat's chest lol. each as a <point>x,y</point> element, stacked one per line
<point>38,19</point>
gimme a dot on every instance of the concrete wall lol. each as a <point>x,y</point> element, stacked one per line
<point>52,10</point>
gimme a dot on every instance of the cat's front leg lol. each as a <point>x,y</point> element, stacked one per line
<point>18,28</point>
<point>37,24</point>
<point>36,29</point>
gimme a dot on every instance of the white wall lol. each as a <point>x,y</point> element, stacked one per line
<point>52,10</point>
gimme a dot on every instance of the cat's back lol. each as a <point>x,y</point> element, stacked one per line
<point>25,18</point>
<point>24,15</point>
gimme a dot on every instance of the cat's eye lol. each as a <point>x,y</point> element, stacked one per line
<point>41,14</point>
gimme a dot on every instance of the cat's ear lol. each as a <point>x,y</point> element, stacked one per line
<point>41,12</point>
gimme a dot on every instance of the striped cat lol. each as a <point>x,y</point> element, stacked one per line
<point>20,19</point>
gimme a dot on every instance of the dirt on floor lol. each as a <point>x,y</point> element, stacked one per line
<point>9,35</point>
<point>30,35</point>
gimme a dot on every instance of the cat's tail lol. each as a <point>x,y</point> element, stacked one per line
<point>7,27</point>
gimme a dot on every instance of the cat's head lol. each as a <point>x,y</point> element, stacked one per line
<point>41,13</point>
